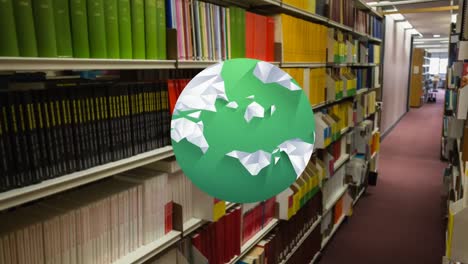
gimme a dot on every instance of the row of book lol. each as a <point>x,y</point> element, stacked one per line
<point>342,12</point>
<point>99,223</point>
<point>84,29</point>
<point>343,48</point>
<point>329,125</point>
<point>301,41</point>
<point>57,128</point>
<point>292,199</point>
<point>278,245</point>
<point>368,24</point>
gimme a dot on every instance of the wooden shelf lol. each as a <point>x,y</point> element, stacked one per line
<point>303,238</point>
<point>255,239</point>
<point>338,194</point>
<point>195,64</point>
<point>335,228</point>
<point>33,192</point>
<point>146,252</point>
<point>292,10</point>
<point>303,65</point>
<point>57,64</point>
<point>364,6</point>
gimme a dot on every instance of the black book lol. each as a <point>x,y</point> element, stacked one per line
<point>4,161</point>
<point>68,127</point>
<point>76,127</point>
<point>127,120</point>
<point>100,122</point>
<point>93,128</point>
<point>32,141</point>
<point>19,179</point>
<point>158,114</point>
<point>133,93</point>
<point>43,147</point>
<point>112,123</point>
<point>153,116</point>
<point>166,115</point>
<point>84,129</point>
<point>56,126</point>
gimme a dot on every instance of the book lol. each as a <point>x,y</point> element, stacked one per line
<point>9,45</point>
<point>111,15</point>
<point>63,28</point>
<point>138,29</point>
<point>161,29</point>
<point>125,29</point>
<point>79,28</point>
<point>151,30</point>
<point>97,28</point>
<point>45,28</point>
<point>25,28</point>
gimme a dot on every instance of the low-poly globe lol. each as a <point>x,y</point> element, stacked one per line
<point>242,130</point>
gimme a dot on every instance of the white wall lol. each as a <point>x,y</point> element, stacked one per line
<point>396,73</point>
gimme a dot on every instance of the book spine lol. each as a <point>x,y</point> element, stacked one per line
<point>25,29</point>
<point>45,28</point>
<point>112,28</point>
<point>99,125</point>
<point>79,28</point>
<point>76,128</point>
<point>68,123</point>
<point>58,104</point>
<point>56,128</point>
<point>97,29</point>
<point>10,169</point>
<point>9,45</point>
<point>92,126</point>
<point>151,30</point>
<point>63,28</point>
<point>111,123</point>
<point>138,29</point>
<point>161,29</point>
<point>84,135</point>
<point>32,138</point>
<point>125,29</point>
<point>166,116</point>
<point>3,160</point>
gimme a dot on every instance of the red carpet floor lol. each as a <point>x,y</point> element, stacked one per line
<point>400,220</point>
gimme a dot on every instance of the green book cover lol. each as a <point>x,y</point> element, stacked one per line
<point>112,28</point>
<point>79,22</point>
<point>8,45</point>
<point>45,28</point>
<point>242,33</point>
<point>97,29</point>
<point>161,24</point>
<point>138,29</point>
<point>62,28</point>
<point>151,29</point>
<point>25,30</point>
<point>234,28</point>
<point>125,29</point>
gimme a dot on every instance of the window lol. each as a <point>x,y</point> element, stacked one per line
<point>438,66</point>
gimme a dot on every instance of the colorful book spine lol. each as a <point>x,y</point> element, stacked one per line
<point>138,29</point>
<point>25,29</point>
<point>63,29</point>
<point>151,34</point>
<point>97,29</point>
<point>45,29</point>
<point>9,44</point>
<point>79,26</point>
<point>111,13</point>
<point>125,29</point>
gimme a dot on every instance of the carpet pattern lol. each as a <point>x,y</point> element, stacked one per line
<point>401,219</point>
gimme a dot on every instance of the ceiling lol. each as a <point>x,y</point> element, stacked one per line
<point>428,24</point>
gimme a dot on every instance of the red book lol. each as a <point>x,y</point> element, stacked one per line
<point>221,242</point>
<point>465,69</point>
<point>270,39</point>
<point>173,94</point>
<point>197,241</point>
<point>237,233</point>
<point>249,35</point>
<point>337,150</point>
<point>168,217</point>
<point>228,225</point>
<point>260,37</point>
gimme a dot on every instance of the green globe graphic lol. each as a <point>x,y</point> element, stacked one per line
<point>243,130</point>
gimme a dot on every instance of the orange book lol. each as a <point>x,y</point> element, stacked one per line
<point>249,35</point>
<point>338,211</point>
<point>270,40</point>
<point>260,35</point>
<point>172,90</point>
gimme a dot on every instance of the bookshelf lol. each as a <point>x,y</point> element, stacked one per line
<point>69,182</point>
<point>454,142</point>
<point>335,228</point>
<point>49,187</point>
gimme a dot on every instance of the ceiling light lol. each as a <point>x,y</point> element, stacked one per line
<point>454,18</point>
<point>431,46</point>
<point>436,36</point>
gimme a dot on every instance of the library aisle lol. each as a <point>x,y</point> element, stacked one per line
<point>401,219</point>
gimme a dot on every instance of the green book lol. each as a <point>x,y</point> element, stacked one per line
<point>9,43</point>
<point>233,26</point>
<point>151,30</point>
<point>161,24</point>
<point>25,30</point>
<point>112,29</point>
<point>45,28</point>
<point>97,29</point>
<point>125,29</point>
<point>242,33</point>
<point>138,29</point>
<point>62,29</point>
<point>79,22</point>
